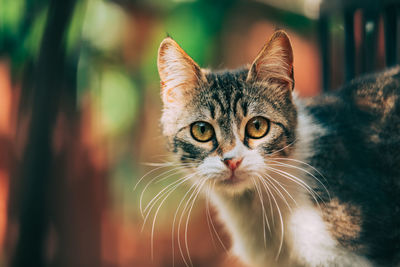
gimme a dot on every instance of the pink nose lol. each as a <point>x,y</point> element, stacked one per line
<point>232,163</point>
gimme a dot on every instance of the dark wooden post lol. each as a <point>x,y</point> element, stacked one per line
<point>370,38</point>
<point>35,168</point>
<point>391,32</point>
<point>323,34</point>
<point>350,50</point>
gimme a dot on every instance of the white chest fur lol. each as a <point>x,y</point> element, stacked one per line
<point>312,245</point>
<point>306,241</point>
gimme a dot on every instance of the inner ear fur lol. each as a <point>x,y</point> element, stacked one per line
<point>178,72</point>
<point>274,63</point>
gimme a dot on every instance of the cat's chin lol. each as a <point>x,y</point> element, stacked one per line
<point>233,185</point>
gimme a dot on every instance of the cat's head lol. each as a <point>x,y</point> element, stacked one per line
<point>226,125</point>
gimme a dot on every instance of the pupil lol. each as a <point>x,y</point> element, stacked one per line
<point>202,129</point>
<point>257,125</point>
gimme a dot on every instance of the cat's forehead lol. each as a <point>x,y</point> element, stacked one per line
<point>222,97</point>
<point>227,94</point>
<point>227,78</point>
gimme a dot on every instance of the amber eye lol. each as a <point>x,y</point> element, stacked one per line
<point>257,127</point>
<point>202,131</point>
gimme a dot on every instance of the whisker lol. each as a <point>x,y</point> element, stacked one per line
<point>263,213</point>
<point>283,188</point>
<point>177,169</point>
<point>149,172</point>
<point>280,217</point>
<point>188,217</point>
<point>157,211</point>
<point>305,163</point>
<point>269,192</point>
<point>297,181</point>
<point>278,163</point>
<point>160,194</point>
<point>270,203</point>
<point>211,221</point>
<point>192,187</point>
<point>180,223</point>
<point>166,164</point>
<point>278,191</point>
<point>279,150</point>
<point>166,187</point>
<point>294,179</point>
<point>208,216</point>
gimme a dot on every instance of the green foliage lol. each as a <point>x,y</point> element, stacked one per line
<point>118,100</point>
<point>11,15</point>
<point>73,36</point>
<point>31,45</point>
<point>104,25</point>
<point>21,30</point>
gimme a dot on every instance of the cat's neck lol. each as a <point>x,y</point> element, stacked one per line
<point>256,225</point>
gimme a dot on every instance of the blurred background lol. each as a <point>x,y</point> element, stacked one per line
<point>80,110</point>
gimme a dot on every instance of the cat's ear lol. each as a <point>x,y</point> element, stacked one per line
<point>178,72</point>
<point>274,63</point>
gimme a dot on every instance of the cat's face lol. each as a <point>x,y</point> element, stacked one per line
<point>226,126</point>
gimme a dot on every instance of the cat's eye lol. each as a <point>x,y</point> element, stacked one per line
<point>257,127</point>
<point>202,131</point>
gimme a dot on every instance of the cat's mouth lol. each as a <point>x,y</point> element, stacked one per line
<point>232,180</point>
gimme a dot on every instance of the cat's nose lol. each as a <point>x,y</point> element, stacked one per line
<point>232,163</point>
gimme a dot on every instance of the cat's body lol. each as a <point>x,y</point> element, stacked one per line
<point>296,182</point>
<point>360,157</point>
<point>353,137</point>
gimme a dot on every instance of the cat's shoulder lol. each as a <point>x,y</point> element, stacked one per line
<point>374,89</point>
<point>376,94</point>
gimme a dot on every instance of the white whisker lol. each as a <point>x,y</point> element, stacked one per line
<point>175,185</point>
<point>194,192</point>
<point>192,187</point>
<point>162,192</point>
<point>278,191</point>
<point>280,216</point>
<point>264,218</point>
<point>281,164</point>
<point>305,163</point>
<point>297,181</point>
<point>177,169</point>
<point>281,186</point>
<point>156,213</point>
<point>149,172</point>
<point>169,163</point>
<point>279,150</point>
<point>188,217</point>
<point>208,215</point>
<point>211,221</point>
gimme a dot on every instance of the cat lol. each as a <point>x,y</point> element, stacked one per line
<point>296,182</point>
